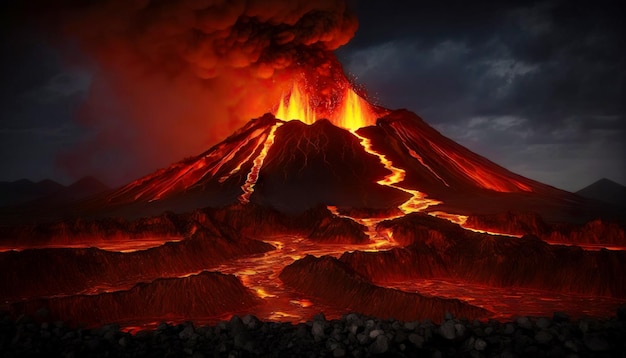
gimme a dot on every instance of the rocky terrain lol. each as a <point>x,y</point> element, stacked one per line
<point>437,248</point>
<point>353,335</point>
<point>594,232</point>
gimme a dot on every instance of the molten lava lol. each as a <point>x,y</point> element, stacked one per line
<point>353,112</point>
<point>253,175</point>
<point>296,107</point>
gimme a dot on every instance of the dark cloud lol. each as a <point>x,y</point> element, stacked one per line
<point>528,84</point>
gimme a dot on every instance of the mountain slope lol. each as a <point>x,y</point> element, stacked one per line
<point>293,167</point>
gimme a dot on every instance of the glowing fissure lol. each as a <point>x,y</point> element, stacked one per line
<point>480,176</point>
<point>421,160</point>
<point>461,220</point>
<point>253,175</point>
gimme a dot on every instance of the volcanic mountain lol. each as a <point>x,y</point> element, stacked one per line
<point>400,162</point>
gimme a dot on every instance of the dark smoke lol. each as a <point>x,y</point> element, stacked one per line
<point>173,77</point>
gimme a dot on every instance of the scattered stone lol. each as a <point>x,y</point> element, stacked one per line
<point>362,338</point>
<point>524,323</point>
<point>417,340</point>
<point>447,330</point>
<point>317,330</point>
<point>543,337</point>
<point>123,341</point>
<point>542,323</point>
<point>187,332</point>
<point>480,345</point>
<point>509,329</point>
<point>380,345</point>
<point>595,343</point>
<point>459,330</point>
<point>353,335</point>
<point>571,345</point>
<point>251,322</point>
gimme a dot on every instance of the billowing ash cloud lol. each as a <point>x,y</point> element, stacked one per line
<point>173,77</point>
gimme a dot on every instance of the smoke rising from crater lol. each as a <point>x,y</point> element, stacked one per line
<point>173,77</point>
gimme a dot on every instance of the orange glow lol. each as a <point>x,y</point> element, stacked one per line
<point>353,112</point>
<point>297,107</point>
<point>303,302</point>
<point>253,175</point>
<point>122,244</point>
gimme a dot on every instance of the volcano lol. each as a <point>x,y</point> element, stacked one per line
<point>370,210</point>
<point>293,167</point>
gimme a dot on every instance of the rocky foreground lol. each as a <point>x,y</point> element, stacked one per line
<point>352,335</point>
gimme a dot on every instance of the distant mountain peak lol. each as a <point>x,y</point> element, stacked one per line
<point>605,190</point>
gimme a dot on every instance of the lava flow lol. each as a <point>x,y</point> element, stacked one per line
<point>355,113</point>
<point>260,273</point>
<point>370,198</point>
<point>253,175</point>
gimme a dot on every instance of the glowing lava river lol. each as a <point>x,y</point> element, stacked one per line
<point>260,274</point>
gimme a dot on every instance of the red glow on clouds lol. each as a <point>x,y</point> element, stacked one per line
<point>172,78</point>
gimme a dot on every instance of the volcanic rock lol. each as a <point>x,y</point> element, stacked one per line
<point>331,281</point>
<point>48,272</point>
<point>444,250</point>
<point>25,337</point>
<point>596,232</point>
<point>73,231</point>
<point>207,294</point>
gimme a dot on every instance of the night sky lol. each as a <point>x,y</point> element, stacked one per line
<point>537,87</point>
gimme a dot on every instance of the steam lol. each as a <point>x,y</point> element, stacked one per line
<point>174,77</point>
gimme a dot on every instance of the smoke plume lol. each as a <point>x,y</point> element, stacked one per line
<point>172,78</point>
